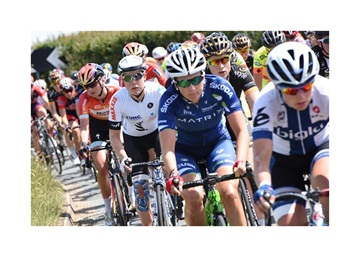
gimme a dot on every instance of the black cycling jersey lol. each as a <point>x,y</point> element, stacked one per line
<point>323,60</point>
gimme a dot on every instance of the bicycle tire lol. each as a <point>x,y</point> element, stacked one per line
<point>247,204</point>
<point>119,208</point>
<point>160,205</point>
<point>219,220</point>
<point>61,146</point>
<point>53,154</point>
<point>169,209</point>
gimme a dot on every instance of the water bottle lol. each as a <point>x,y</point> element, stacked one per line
<point>317,216</point>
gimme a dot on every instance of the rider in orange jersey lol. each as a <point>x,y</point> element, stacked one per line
<point>93,114</point>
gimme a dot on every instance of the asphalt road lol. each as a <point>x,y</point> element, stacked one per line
<point>85,206</point>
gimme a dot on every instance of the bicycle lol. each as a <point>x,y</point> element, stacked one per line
<point>315,215</point>
<point>163,208</point>
<point>214,210</point>
<point>60,142</point>
<point>90,165</point>
<point>49,149</point>
<point>121,205</point>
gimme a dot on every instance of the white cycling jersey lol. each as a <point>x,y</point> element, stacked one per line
<point>293,132</point>
<point>137,118</point>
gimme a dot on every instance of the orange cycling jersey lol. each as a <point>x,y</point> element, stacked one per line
<point>152,72</point>
<point>95,108</point>
<point>259,67</point>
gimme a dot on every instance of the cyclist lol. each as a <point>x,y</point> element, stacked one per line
<point>111,78</point>
<point>291,131</point>
<point>242,45</point>
<point>269,39</point>
<point>159,53</point>
<point>68,114</point>
<point>197,37</point>
<point>153,72</point>
<point>133,113</point>
<point>38,110</point>
<point>54,92</point>
<point>78,88</point>
<point>223,60</point>
<point>294,35</point>
<point>321,50</point>
<point>94,114</point>
<point>191,128</point>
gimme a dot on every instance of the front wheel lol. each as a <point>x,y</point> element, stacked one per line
<point>53,154</point>
<point>118,203</point>
<point>220,220</point>
<point>247,205</point>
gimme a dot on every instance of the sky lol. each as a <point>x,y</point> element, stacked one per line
<point>44,35</point>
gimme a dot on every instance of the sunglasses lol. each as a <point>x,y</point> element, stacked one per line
<point>325,40</point>
<point>129,78</point>
<point>160,59</point>
<point>91,85</point>
<point>68,90</point>
<point>216,62</point>
<point>186,83</point>
<point>294,91</point>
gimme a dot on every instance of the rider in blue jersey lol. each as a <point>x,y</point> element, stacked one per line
<point>192,127</point>
<point>291,131</point>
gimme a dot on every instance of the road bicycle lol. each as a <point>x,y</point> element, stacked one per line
<point>49,149</point>
<point>90,165</point>
<point>121,206</point>
<point>214,210</point>
<point>163,207</point>
<point>311,196</point>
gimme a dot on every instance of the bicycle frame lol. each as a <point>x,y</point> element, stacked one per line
<point>212,201</point>
<point>119,189</point>
<point>163,208</point>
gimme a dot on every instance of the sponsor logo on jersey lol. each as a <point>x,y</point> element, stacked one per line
<point>168,101</point>
<point>310,131</point>
<point>222,87</point>
<point>112,108</point>
<point>202,119</point>
<point>261,118</point>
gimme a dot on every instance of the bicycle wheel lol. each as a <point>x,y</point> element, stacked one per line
<point>53,154</point>
<point>219,220</point>
<point>61,146</point>
<point>169,209</point>
<point>247,204</point>
<point>118,203</point>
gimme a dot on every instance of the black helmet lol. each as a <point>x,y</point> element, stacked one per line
<point>271,39</point>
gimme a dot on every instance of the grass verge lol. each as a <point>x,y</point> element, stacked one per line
<point>47,196</point>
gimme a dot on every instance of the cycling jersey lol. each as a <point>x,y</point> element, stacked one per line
<point>68,105</point>
<point>199,124</point>
<point>259,66</point>
<point>323,61</point>
<point>293,132</point>
<point>137,118</point>
<point>90,106</point>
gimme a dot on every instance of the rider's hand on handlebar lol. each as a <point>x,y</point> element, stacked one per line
<point>264,197</point>
<point>124,165</point>
<point>83,151</point>
<point>174,184</point>
<point>239,168</point>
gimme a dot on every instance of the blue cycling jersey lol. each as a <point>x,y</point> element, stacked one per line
<point>203,123</point>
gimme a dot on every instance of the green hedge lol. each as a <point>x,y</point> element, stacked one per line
<point>106,46</point>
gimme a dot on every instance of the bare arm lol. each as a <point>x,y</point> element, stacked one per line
<point>117,144</point>
<point>167,142</point>
<point>238,125</point>
<point>262,154</point>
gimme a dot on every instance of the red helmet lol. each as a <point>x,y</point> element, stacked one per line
<point>197,37</point>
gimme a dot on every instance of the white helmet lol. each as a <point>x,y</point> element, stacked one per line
<point>65,83</point>
<point>291,64</point>
<point>40,83</point>
<point>131,63</point>
<point>159,52</point>
<point>185,61</point>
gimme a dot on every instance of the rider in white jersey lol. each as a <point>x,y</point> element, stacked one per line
<point>291,131</point>
<point>134,113</point>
